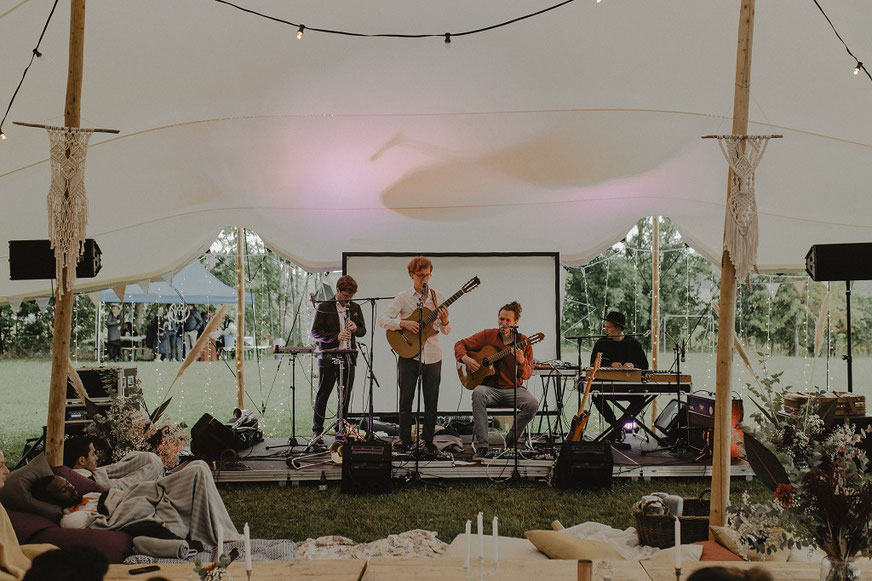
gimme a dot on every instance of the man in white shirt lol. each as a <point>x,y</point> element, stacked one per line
<point>393,319</point>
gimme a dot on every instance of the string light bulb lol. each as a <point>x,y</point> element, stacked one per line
<point>37,53</point>
<point>447,38</point>
<point>858,68</point>
<point>300,31</point>
<point>2,135</point>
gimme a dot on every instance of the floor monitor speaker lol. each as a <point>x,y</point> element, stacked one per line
<point>210,438</point>
<point>584,465</point>
<point>366,467</point>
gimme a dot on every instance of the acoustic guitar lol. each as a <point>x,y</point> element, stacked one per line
<point>405,343</point>
<point>579,421</point>
<point>486,358</point>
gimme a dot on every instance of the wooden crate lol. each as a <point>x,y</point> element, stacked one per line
<point>832,404</point>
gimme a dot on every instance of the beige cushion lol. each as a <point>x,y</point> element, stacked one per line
<point>511,549</point>
<point>723,537</point>
<point>688,553</point>
<point>559,545</point>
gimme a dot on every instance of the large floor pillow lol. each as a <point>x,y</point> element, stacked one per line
<point>114,544</point>
<point>15,495</point>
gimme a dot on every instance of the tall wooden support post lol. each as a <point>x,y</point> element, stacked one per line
<point>727,309</point>
<point>240,318</point>
<point>655,302</point>
<point>60,355</point>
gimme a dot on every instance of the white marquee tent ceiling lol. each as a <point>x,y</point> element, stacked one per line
<point>555,133</point>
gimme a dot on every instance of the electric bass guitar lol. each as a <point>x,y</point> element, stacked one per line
<point>405,343</point>
<point>486,358</point>
<point>579,421</point>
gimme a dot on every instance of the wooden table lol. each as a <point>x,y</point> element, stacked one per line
<point>442,569</point>
<point>792,571</point>
<point>332,570</point>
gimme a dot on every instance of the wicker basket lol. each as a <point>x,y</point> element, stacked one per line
<point>658,530</point>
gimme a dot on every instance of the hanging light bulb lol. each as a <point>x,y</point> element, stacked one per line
<point>858,68</point>
<point>447,39</point>
<point>38,54</point>
<point>2,135</point>
<point>300,31</point>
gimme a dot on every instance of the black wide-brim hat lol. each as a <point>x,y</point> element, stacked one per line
<point>616,318</point>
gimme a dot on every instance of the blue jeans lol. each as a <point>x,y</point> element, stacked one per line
<point>485,396</point>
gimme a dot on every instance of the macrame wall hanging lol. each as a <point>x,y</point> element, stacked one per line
<point>67,202</point>
<point>743,153</point>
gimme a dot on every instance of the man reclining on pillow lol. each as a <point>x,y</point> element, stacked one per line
<point>186,504</point>
<point>135,467</point>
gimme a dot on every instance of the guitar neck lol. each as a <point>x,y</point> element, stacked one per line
<point>497,356</point>
<point>447,302</point>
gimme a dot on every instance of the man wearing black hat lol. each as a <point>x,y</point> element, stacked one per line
<point>618,351</point>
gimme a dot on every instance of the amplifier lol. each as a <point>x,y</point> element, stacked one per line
<point>99,382</point>
<point>366,467</point>
<point>34,259</point>
<point>76,417</point>
<point>701,415</point>
<point>584,465</point>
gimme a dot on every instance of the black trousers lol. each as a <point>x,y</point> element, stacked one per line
<point>407,375</point>
<point>603,404</point>
<point>114,350</point>
<point>328,372</point>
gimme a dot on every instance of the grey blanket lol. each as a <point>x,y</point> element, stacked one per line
<point>186,503</point>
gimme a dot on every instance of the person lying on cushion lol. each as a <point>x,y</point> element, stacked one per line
<point>15,559</point>
<point>186,504</point>
<point>135,467</point>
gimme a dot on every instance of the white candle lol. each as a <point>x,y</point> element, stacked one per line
<point>468,542</point>
<point>481,535</point>
<point>677,543</point>
<point>496,542</point>
<point>247,534</point>
<point>219,549</point>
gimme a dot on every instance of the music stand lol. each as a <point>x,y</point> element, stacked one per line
<point>293,352</point>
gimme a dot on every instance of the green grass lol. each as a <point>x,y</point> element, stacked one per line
<point>305,512</point>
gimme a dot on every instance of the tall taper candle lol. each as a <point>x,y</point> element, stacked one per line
<point>677,543</point>
<point>247,535</point>
<point>481,535</point>
<point>496,542</point>
<point>468,542</point>
<point>219,548</point>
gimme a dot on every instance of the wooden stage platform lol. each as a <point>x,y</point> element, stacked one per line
<point>270,461</point>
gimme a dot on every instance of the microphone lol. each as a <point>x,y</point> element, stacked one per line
<point>424,288</point>
<point>312,298</point>
<point>682,351</point>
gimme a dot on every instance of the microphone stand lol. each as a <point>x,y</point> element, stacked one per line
<point>516,473</point>
<point>419,381</point>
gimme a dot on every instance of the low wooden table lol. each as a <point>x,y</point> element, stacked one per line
<point>332,570</point>
<point>442,569</point>
<point>792,571</point>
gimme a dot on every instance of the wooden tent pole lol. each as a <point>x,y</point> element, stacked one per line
<point>240,319</point>
<point>655,302</point>
<point>60,355</point>
<point>727,309</point>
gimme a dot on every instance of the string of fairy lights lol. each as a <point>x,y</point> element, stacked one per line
<point>301,28</point>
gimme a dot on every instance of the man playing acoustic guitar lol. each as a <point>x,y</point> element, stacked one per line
<point>498,389</point>
<point>395,318</point>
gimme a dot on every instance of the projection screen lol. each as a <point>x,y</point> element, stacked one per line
<point>533,279</point>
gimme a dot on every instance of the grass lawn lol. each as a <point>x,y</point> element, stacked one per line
<point>305,512</point>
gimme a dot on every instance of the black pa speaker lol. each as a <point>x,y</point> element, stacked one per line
<point>366,467</point>
<point>584,466</point>
<point>210,438</point>
<point>34,259</point>
<point>672,419</point>
<point>840,261</point>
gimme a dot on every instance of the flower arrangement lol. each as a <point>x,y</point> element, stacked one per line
<point>216,571</point>
<point>822,489</point>
<point>125,428</point>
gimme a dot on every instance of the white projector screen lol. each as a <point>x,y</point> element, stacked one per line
<point>532,279</point>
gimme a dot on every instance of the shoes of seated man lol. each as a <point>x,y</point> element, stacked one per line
<point>479,454</point>
<point>621,445</point>
<point>401,447</point>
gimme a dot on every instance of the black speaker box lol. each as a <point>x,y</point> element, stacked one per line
<point>840,261</point>
<point>672,418</point>
<point>210,438</point>
<point>366,467</point>
<point>584,466</point>
<point>34,259</point>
